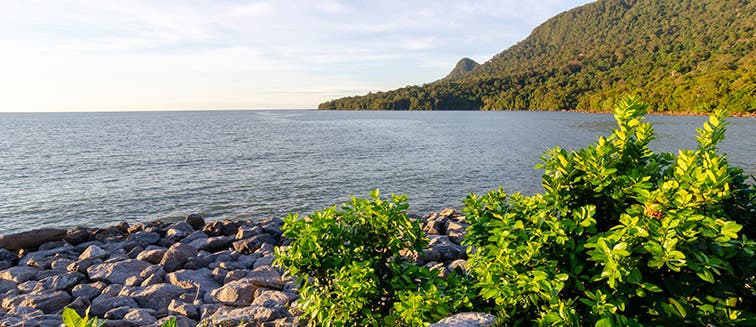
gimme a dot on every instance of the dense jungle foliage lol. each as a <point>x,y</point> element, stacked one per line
<point>688,55</point>
<point>621,236</point>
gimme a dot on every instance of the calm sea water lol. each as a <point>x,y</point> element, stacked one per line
<point>94,169</point>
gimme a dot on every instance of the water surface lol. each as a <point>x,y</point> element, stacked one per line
<point>67,169</point>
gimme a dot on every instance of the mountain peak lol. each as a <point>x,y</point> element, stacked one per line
<point>463,66</point>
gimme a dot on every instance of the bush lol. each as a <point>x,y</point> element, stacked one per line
<point>621,235</point>
<point>353,268</point>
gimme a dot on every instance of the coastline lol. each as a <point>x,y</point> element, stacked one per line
<point>219,273</point>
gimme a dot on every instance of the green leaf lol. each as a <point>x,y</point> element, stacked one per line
<point>169,323</point>
<point>72,319</point>
<point>604,322</point>
<point>706,275</point>
<point>731,229</point>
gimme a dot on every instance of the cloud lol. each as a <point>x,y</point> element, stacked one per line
<point>87,54</point>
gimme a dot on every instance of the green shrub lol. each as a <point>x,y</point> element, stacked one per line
<point>353,268</point>
<point>621,235</point>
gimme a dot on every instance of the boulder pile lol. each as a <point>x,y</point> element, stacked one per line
<point>215,274</point>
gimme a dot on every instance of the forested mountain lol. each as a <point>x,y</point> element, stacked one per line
<point>464,66</point>
<point>682,55</point>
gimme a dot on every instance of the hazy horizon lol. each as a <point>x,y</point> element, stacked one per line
<point>91,56</point>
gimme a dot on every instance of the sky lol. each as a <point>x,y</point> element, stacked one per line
<point>109,55</point>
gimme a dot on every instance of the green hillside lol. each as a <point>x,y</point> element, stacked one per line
<point>682,56</point>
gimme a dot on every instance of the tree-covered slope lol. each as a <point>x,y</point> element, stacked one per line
<point>684,55</point>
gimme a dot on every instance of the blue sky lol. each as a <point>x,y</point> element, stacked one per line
<point>77,55</point>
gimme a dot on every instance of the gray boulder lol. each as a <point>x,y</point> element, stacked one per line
<point>60,282</point>
<point>89,291</point>
<point>156,297</point>
<point>467,319</point>
<point>195,221</point>
<point>212,244</point>
<point>152,256</point>
<point>50,302</point>
<point>176,256</point>
<point>254,314</point>
<point>201,280</point>
<point>105,303</point>
<point>267,277</point>
<point>237,293</point>
<point>19,274</point>
<point>185,309</point>
<point>178,230</point>
<point>117,272</point>
<point>93,252</point>
<point>144,238</point>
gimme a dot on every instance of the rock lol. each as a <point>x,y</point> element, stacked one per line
<point>135,251</point>
<point>236,293</point>
<point>220,228</point>
<point>195,221</point>
<point>254,315</point>
<point>201,280</point>
<point>234,275</point>
<point>133,281</point>
<point>264,261</point>
<point>157,297</point>
<point>89,291</point>
<point>117,272</point>
<point>220,274</point>
<point>428,255</point>
<point>152,256</point>
<point>7,285</point>
<point>104,303</point>
<point>247,231</point>
<point>61,264</point>
<point>141,317</point>
<point>447,249</point>
<point>176,256</point>
<point>459,265</point>
<point>117,313</point>
<point>467,319</point>
<point>181,321</point>
<point>31,239</point>
<point>267,277</point>
<point>109,234</point>
<point>78,235</point>
<point>186,309</point>
<point>6,255</point>
<point>50,302</point>
<point>178,230</point>
<point>80,305</point>
<point>52,245</point>
<point>19,274</point>
<point>207,310</point>
<point>271,298</point>
<point>272,226</point>
<point>212,244</point>
<point>61,282</point>
<point>43,259</point>
<point>82,265</point>
<point>144,238</point>
<point>202,260</point>
<point>250,245</point>
<point>266,249</point>
<point>194,236</point>
<point>112,290</point>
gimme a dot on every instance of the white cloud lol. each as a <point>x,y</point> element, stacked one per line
<point>101,55</point>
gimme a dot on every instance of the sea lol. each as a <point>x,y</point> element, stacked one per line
<point>61,170</point>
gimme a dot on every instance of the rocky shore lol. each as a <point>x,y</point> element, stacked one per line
<point>215,274</point>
